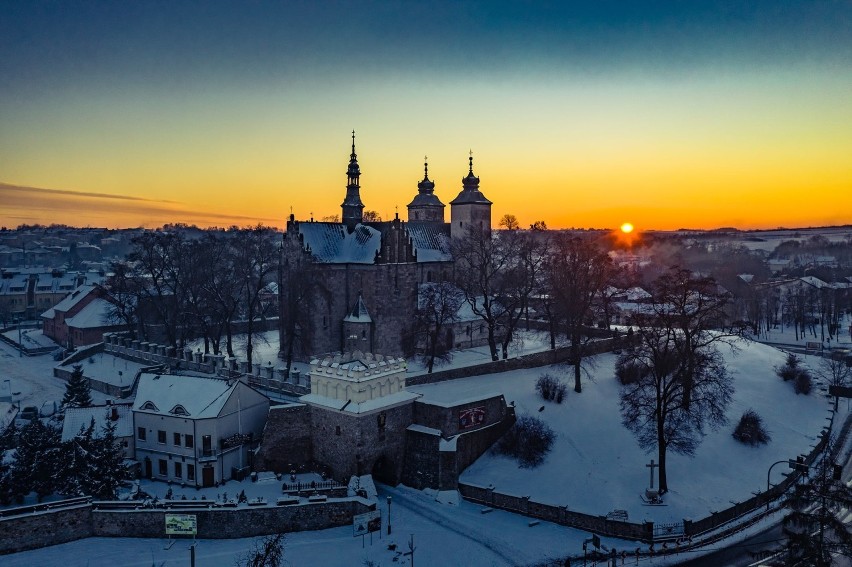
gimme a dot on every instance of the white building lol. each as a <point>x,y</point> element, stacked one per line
<point>193,430</point>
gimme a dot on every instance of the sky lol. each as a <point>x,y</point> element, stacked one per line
<point>582,114</point>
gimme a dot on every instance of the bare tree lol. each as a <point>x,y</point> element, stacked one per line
<point>371,216</point>
<point>578,271</point>
<point>255,264</point>
<point>692,309</point>
<point>437,308</point>
<point>267,552</point>
<point>296,286</point>
<point>652,404</point>
<point>479,265</point>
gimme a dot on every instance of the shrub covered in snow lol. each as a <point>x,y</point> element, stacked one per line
<point>627,371</point>
<point>751,430</point>
<point>802,383</point>
<point>792,370</point>
<point>550,388</point>
<point>529,441</point>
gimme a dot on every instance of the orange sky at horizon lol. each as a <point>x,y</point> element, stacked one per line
<point>578,115</point>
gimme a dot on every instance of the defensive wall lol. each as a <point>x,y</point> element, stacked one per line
<point>31,527</point>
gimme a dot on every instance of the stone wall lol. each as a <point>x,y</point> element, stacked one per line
<point>32,527</point>
<point>422,467</point>
<point>445,417</point>
<point>286,440</point>
<point>223,523</point>
<point>356,444</point>
<point>533,360</point>
<point>40,526</point>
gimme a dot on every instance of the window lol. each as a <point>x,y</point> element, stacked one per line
<point>140,433</point>
<point>188,441</point>
<point>178,470</point>
<point>164,467</point>
<point>190,472</point>
<point>177,439</point>
<point>206,445</point>
<point>161,436</point>
<point>337,430</point>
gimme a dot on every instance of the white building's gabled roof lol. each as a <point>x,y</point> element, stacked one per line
<point>184,396</point>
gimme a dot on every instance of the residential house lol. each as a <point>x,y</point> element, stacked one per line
<point>196,430</point>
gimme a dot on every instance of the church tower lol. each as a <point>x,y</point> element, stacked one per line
<point>470,208</point>
<point>353,208</point>
<point>426,206</point>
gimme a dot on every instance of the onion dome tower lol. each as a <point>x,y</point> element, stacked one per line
<point>426,206</point>
<point>353,208</point>
<point>470,208</point>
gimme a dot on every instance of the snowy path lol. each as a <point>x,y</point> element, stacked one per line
<point>420,504</point>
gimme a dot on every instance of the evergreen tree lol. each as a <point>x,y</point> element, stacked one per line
<point>815,531</point>
<point>78,394</point>
<point>77,456</point>
<point>108,469</point>
<point>36,461</point>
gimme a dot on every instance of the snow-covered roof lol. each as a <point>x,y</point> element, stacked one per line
<point>94,315</point>
<point>332,243</point>
<point>431,241</point>
<point>188,396</point>
<point>359,313</point>
<point>71,299</point>
<point>815,282</point>
<point>77,418</point>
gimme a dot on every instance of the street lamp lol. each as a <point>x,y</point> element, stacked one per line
<point>389,516</point>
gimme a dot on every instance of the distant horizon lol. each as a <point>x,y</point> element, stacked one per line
<point>147,206</point>
<point>665,115</point>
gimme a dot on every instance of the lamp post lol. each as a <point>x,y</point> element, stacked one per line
<point>389,516</point>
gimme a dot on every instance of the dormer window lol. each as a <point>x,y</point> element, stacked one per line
<point>149,406</point>
<point>179,410</point>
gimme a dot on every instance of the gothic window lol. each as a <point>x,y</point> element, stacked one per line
<point>337,430</point>
<point>382,419</point>
<point>364,334</point>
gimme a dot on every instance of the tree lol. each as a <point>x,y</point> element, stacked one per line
<point>78,394</point>
<point>371,216</point>
<point>108,471</point>
<point>509,222</point>
<point>478,268</point>
<point>578,271</point>
<point>538,225</point>
<point>814,528</point>
<point>692,308</point>
<point>36,461</point>
<point>267,552</point>
<point>437,308</point>
<point>652,405</point>
<point>255,264</point>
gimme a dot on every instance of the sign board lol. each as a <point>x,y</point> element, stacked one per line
<point>471,417</point>
<point>840,391</point>
<point>367,523</point>
<point>181,524</point>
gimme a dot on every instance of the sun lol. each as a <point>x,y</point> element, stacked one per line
<point>627,228</point>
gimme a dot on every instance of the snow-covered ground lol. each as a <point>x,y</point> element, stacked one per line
<point>595,467</point>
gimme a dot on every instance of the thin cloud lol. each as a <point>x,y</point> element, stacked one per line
<point>32,205</point>
<point>8,187</point>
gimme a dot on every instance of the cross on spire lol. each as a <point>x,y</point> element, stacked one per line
<point>471,162</point>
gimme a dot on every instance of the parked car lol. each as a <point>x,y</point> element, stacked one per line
<point>29,413</point>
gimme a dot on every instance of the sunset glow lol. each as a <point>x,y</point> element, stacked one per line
<point>580,115</point>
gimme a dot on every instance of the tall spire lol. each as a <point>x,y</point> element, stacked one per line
<point>352,206</point>
<point>426,206</point>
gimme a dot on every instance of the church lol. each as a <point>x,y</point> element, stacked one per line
<point>352,285</point>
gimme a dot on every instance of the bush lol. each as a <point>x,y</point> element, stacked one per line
<point>550,388</point>
<point>750,430</point>
<point>790,369</point>
<point>628,372</point>
<point>529,441</point>
<point>802,384</point>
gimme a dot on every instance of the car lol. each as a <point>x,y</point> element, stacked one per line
<point>29,413</point>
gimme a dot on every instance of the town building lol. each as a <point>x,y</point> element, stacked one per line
<point>196,430</point>
<point>120,415</point>
<point>81,318</point>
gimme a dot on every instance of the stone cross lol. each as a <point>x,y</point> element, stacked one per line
<point>652,466</point>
